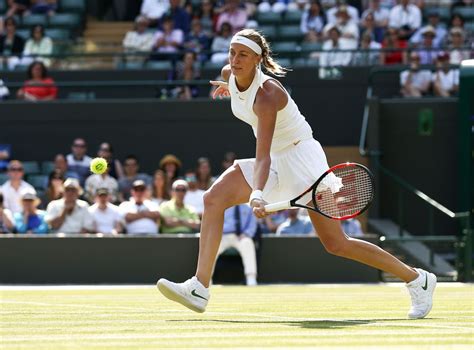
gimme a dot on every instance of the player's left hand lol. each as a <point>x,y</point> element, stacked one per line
<point>258,208</point>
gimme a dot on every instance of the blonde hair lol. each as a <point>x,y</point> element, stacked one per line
<point>268,62</point>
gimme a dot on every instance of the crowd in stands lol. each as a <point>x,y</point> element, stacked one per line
<point>68,198</point>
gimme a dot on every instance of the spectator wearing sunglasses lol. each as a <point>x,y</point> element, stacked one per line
<point>78,161</point>
<point>106,151</point>
<point>14,188</point>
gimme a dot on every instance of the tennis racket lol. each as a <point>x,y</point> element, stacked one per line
<point>342,192</point>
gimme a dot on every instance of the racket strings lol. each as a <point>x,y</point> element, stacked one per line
<point>354,196</point>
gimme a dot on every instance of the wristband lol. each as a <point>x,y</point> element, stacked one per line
<point>256,194</point>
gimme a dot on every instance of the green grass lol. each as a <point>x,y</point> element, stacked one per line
<point>312,316</point>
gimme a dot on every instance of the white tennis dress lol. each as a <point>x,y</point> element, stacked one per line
<point>297,159</point>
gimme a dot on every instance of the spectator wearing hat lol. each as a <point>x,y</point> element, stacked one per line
<point>445,80</point>
<point>6,218</point>
<point>78,161</point>
<point>440,31</point>
<point>295,224</point>
<point>406,17</point>
<point>331,56</point>
<point>428,52</point>
<point>456,51</point>
<point>139,39</point>
<point>141,215</point>
<point>415,82</point>
<point>171,165</point>
<point>13,188</point>
<point>30,219</point>
<point>131,166</point>
<point>353,12</point>
<point>96,181</point>
<point>194,196</point>
<point>70,214</point>
<point>348,28</point>
<point>106,216</point>
<point>178,217</point>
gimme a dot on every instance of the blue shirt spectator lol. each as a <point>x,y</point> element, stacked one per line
<point>240,220</point>
<point>352,227</point>
<point>30,220</point>
<point>295,224</point>
<point>181,19</point>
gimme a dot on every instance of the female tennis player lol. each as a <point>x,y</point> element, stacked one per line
<point>288,160</point>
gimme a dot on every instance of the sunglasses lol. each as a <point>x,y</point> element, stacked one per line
<point>130,164</point>
<point>139,189</point>
<point>79,145</point>
<point>15,169</point>
<point>181,190</point>
<point>70,189</point>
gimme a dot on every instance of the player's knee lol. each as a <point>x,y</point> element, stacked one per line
<point>336,246</point>
<point>213,197</point>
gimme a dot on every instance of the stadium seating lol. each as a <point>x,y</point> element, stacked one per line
<point>466,12</point>
<point>3,178</point>
<point>77,6</point>
<point>47,167</point>
<point>292,17</point>
<point>160,65</point>
<point>290,32</point>
<point>65,20</point>
<point>269,31</point>
<point>33,20</point>
<point>268,18</point>
<point>285,48</point>
<point>3,6</point>
<point>31,167</point>
<point>39,182</point>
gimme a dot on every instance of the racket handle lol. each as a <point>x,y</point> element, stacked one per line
<point>277,206</point>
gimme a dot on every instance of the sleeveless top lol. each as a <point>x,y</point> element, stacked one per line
<point>290,127</point>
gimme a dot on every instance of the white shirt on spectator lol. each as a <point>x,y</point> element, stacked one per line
<point>328,59</point>
<point>96,181</point>
<point>448,80</point>
<point>311,23</point>
<point>195,199</point>
<point>144,225</point>
<point>380,15</point>
<point>456,56</point>
<point>400,16</point>
<point>350,28</point>
<point>176,36</point>
<point>105,220</point>
<point>353,13</point>
<point>419,79</point>
<point>79,219</point>
<point>135,41</point>
<point>154,9</point>
<point>12,197</point>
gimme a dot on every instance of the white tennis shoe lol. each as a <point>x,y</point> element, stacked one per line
<point>421,291</point>
<point>190,293</point>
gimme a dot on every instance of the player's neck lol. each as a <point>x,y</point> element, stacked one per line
<point>243,83</point>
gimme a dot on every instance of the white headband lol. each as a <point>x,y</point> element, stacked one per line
<point>239,39</point>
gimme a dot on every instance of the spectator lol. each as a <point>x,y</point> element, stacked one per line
<point>439,31</point>
<point>48,7</point>
<point>39,86</point>
<point>69,214</point>
<point>5,154</point>
<point>54,189</point>
<point>232,14</point>
<point>30,219</point>
<point>204,174</point>
<point>348,29</point>
<point>194,196</point>
<point>207,17</point>
<point>456,51</point>
<point>106,151</point>
<point>153,10</point>
<point>139,39</point>
<point>394,48</point>
<point>369,51</point>
<point>4,93</point>
<point>415,82</point>
<point>197,40</point>
<point>169,40</point>
<point>181,18</point>
<point>159,188</point>
<point>380,18</point>
<point>228,160</point>
<point>406,18</point>
<point>221,43</point>
<point>368,25</point>
<point>6,218</point>
<point>187,70</point>
<point>171,165</point>
<point>60,164</point>
<point>178,217</point>
<point>331,13</point>
<point>295,224</point>
<point>96,181</point>
<point>37,47</point>
<point>331,55</point>
<point>272,221</point>
<point>17,7</point>
<point>427,53</point>
<point>445,80</point>
<point>141,215</point>
<point>313,19</point>
<point>14,188</point>
<point>457,21</point>
<point>352,227</point>
<point>106,216</point>
<point>78,161</point>
<point>131,167</point>
<point>11,44</point>
<point>240,226</point>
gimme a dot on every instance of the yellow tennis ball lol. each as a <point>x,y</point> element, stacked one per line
<point>98,165</point>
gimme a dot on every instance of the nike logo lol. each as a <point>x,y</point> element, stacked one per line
<point>426,282</point>
<point>197,295</point>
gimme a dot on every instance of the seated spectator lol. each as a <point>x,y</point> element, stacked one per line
<point>204,174</point>
<point>352,227</point>
<point>445,80</point>
<point>5,154</point>
<point>96,181</point>
<point>153,10</point>
<point>54,188</point>
<point>60,164</point>
<point>406,18</point>
<point>368,25</point>
<point>171,165</point>
<point>14,188</point>
<point>37,47</point>
<point>228,161</point>
<point>240,226</point>
<point>439,31</point>
<point>106,216</point>
<point>17,7</point>
<point>131,174</point>
<point>178,217</point>
<point>395,48</point>
<point>379,22</point>
<point>207,17</point>
<point>457,21</point>
<point>232,14</point>
<point>39,86</point>
<point>139,39</point>
<point>4,93</point>
<point>186,70</point>
<point>271,222</point>
<point>197,40</point>
<point>221,43</point>
<point>180,17</point>
<point>6,218</point>
<point>140,214</point>
<point>295,224</point>
<point>369,51</point>
<point>427,48</point>
<point>70,214</point>
<point>415,82</point>
<point>159,188</point>
<point>169,40</point>
<point>11,44</point>
<point>48,7</point>
<point>30,219</point>
<point>194,196</point>
<point>348,28</point>
<point>313,20</point>
<point>331,13</point>
<point>331,55</point>
<point>457,52</point>
<point>106,151</point>
<point>78,161</point>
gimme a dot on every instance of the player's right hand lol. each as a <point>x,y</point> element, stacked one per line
<point>222,89</point>
<point>258,208</point>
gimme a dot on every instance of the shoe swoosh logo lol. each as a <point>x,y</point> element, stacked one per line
<point>197,295</point>
<point>426,282</point>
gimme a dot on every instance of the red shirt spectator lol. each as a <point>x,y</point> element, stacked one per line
<point>392,41</point>
<point>39,86</point>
